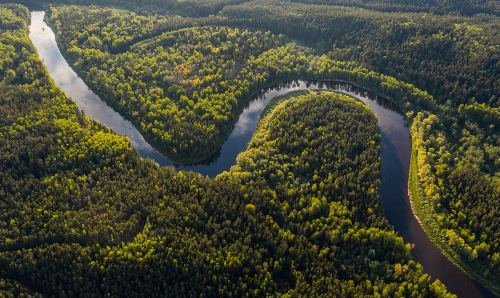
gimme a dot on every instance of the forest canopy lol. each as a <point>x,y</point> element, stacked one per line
<point>108,224</point>
<point>299,214</point>
<point>453,58</point>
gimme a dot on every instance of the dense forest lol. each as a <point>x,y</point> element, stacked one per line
<point>299,213</point>
<point>200,8</point>
<point>110,218</point>
<point>466,7</point>
<point>181,88</point>
<point>195,8</point>
<point>455,58</point>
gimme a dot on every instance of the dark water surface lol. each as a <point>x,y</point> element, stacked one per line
<point>395,151</point>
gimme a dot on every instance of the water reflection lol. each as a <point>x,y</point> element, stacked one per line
<point>395,149</point>
<point>43,39</point>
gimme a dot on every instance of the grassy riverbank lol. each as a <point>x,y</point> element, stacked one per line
<point>426,215</point>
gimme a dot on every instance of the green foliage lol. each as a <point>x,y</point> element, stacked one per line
<point>422,49</point>
<point>52,157</point>
<point>82,215</point>
<point>456,60</point>
<point>209,7</point>
<point>196,8</point>
<point>466,7</point>
<point>182,88</point>
<point>299,213</point>
<point>458,205</point>
<point>304,151</point>
<point>13,289</point>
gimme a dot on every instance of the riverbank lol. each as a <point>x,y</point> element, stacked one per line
<point>275,101</point>
<point>427,217</point>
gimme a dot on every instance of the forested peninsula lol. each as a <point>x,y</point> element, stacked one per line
<point>299,213</point>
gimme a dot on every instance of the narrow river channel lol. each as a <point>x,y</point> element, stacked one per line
<point>395,152</point>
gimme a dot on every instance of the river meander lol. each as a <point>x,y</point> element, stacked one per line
<point>395,149</point>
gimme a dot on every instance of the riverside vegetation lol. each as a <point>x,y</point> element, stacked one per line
<point>276,222</point>
<point>119,218</point>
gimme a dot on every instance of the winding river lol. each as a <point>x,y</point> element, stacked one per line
<point>395,151</point>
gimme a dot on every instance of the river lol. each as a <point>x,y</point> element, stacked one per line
<point>395,149</point>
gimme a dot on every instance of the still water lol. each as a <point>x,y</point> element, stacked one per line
<point>395,151</point>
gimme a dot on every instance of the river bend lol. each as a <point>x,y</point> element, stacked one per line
<point>395,149</point>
